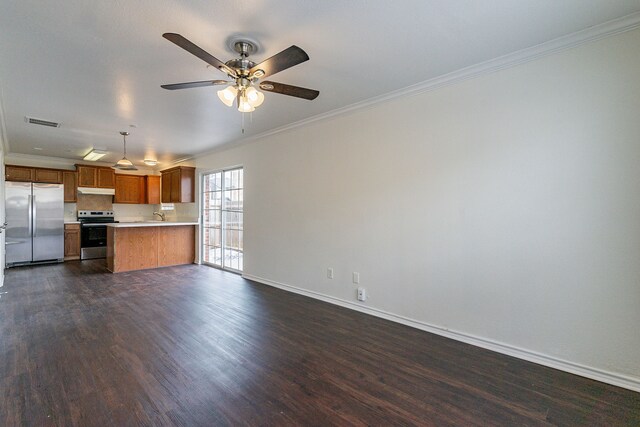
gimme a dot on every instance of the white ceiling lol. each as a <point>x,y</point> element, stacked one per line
<point>97,67</point>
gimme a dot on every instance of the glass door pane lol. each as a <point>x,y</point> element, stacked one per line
<point>232,201</point>
<point>222,216</point>
<point>212,219</point>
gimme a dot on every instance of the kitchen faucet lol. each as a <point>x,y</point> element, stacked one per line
<point>161,215</point>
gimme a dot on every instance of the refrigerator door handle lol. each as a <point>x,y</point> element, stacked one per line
<point>30,219</point>
<point>34,210</point>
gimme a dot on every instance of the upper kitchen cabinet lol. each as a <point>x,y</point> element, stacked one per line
<point>106,178</point>
<point>178,185</point>
<point>28,174</point>
<point>152,189</point>
<point>129,189</point>
<point>87,176</point>
<point>19,173</point>
<point>96,176</point>
<point>70,181</point>
<point>137,189</point>
<point>51,176</point>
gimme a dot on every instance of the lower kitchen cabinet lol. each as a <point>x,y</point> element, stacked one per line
<point>71,242</point>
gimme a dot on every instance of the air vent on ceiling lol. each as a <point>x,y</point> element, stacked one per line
<point>41,122</point>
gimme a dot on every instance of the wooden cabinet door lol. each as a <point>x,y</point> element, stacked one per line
<point>166,188</point>
<point>106,178</point>
<point>19,173</point>
<point>129,189</point>
<point>187,185</point>
<point>152,189</point>
<point>50,176</point>
<point>72,241</point>
<point>87,176</point>
<point>176,183</point>
<point>70,181</point>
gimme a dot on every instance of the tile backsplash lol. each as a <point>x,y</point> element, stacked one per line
<point>94,202</point>
<point>125,212</point>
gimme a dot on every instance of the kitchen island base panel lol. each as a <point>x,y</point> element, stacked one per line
<point>140,248</point>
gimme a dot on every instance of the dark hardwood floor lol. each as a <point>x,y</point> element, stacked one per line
<point>192,345</point>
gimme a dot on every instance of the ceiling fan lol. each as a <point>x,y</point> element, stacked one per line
<point>245,73</point>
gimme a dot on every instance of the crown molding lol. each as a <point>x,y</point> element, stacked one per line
<point>59,162</point>
<point>50,160</point>
<point>591,34</point>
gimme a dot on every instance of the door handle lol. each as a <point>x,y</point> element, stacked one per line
<point>35,229</point>
<point>30,219</point>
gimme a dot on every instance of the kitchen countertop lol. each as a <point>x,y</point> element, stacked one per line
<point>71,222</point>
<point>150,224</point>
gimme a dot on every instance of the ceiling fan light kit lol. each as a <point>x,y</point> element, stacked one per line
<point>245,73</point>
<point>124,164</point>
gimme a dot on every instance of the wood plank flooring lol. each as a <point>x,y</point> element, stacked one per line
<point>194,346</point>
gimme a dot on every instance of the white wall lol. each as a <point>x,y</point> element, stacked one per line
<point>505,208</point>
<point>3,216</point>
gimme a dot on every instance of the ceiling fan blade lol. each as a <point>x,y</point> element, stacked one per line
<point>195,84</point>
<point>297,91</point>
<point>178,40</point>
<point>289,57</point>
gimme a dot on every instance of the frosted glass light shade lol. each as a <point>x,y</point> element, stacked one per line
<point>228,95</point>
<point>124,164</point>
<point>254,97</point>
<point>245,106</point>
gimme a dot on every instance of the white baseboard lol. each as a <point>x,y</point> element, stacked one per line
<point>619,380</point>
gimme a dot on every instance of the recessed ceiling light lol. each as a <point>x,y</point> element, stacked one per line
<point>94,155</point>
<point>37,148</point>
<point>150,162</point>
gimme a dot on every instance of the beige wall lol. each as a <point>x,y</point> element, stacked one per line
<point>503,210</point>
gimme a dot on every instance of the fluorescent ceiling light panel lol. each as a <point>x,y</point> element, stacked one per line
<point>94,155</point>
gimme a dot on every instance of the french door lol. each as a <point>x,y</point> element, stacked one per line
<point>222,218</point>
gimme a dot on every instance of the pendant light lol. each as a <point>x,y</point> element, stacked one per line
<point>124,164</point>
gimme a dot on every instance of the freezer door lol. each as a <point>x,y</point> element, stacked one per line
<point>18,213</point>
<point>48,222</point>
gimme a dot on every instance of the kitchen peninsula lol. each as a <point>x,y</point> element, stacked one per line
<point>149,244</point>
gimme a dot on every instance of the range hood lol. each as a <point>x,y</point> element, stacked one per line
<point>100,191</point>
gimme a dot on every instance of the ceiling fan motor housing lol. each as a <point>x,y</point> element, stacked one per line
<point>241,65</point>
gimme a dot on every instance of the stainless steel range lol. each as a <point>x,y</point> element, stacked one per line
<point>93,233</point>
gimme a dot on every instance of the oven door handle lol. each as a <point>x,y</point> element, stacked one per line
<point>93,225</point>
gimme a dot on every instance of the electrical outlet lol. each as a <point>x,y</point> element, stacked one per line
<point>362,294</point>
<point>356,277</point>
<point>329,273</point>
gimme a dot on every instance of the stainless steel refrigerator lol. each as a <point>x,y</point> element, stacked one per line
<point>35,223</point>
